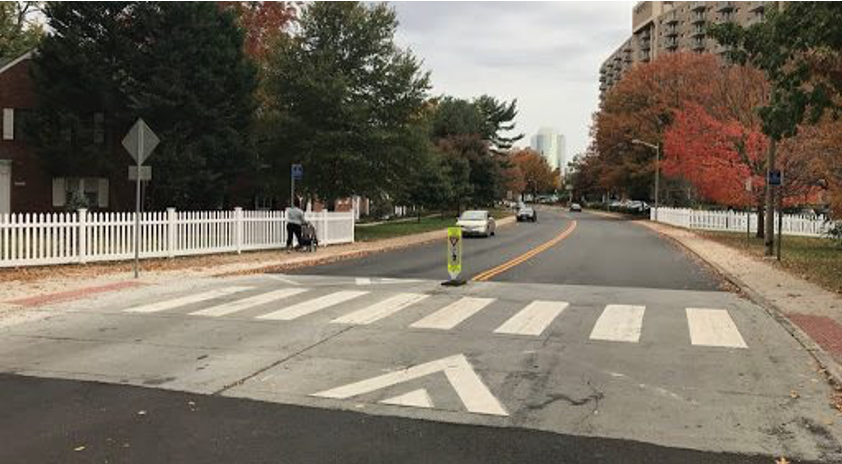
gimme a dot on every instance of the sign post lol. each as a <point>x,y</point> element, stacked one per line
<point>296,172</point>
<point>748,209</point>
<point>776,180</point>
<point>139,142</point>
<point>454,256</point>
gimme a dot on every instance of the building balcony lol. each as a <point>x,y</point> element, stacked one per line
<point>698,45</point>
<point>725,7</point>
<point>698,6</point>
<point>646,45</point>
<point>628,58</point>
<point>698,32</point>
<point>671,30</point>
<point>672,43</point>
<point>671,18</point>
<point>757,7</point>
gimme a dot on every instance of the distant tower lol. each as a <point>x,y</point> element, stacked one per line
<point>552,146</point>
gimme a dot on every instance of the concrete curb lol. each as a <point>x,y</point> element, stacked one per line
<point>829,365</point>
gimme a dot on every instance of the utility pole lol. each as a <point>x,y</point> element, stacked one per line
<point>769,233</point>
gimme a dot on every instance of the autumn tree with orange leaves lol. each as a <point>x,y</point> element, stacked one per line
<point>642,106</point>
<point>529,172</point>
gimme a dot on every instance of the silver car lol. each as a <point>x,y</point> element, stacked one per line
<point>477,222</point>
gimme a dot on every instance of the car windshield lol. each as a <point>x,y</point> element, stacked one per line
<point>473,215</point>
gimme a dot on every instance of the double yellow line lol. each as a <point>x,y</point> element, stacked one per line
<point>522,258</point>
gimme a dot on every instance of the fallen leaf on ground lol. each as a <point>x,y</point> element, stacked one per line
<point>782,460</point>
<point>79,448</point>
<point>794,394</point>
<point>141,413</point>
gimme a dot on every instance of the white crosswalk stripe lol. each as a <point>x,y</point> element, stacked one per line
<point>186,300</point>
<point>619,323</point>
<point>240,305</point>
<point>713,327</point>
<point>381,309</point>
<point>533,319</point>
<point>451,315</point>
<point>312,306</point>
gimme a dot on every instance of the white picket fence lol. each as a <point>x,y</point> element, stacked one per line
<point>733,221</point>
<point>83,236</point>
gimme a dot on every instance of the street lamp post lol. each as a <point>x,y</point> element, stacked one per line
<point>657,148</point>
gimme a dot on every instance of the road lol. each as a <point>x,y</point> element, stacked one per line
<point>608,345</point>
<point>601,251</point>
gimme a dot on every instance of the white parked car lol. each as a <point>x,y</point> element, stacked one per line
<point>477,222</point>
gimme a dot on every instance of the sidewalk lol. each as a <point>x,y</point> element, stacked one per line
<point>810,313</point>
<point>35,286</point>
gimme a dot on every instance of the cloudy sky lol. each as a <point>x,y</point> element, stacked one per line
<point>545,54</point>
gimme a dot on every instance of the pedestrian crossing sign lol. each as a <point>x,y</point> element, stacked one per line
<point>454,251</point>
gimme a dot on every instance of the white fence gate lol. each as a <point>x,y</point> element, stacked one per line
<point>81,237</point>
<point>793,224</point>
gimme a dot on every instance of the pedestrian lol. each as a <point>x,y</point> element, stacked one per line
<point>295,218</point>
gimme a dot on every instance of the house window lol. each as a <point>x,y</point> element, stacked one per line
<point>8,124</point>
<point>22,121</point>
<point>80,192</point>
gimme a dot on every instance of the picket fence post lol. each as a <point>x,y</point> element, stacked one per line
<point>82,216</point>
<point>172,228</point>
<point>238,229</point>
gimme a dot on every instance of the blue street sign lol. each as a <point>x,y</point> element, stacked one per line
<point>297,172</point>
<point>775,177</point>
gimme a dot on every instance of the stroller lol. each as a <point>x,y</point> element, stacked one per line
<point>309,240</point>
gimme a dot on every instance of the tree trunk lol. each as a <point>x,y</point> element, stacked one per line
<point>760,221</point>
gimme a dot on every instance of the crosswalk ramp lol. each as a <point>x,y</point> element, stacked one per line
<point>616,323</point>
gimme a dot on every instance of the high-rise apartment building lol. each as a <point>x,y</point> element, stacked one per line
<point>551,145</point>
<point>667,27</point>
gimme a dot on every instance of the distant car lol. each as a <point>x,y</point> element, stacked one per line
<point>477,222</point>
<point>576,207</point>
<point>525,213</point>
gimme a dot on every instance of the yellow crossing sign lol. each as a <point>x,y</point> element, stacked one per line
<point>454,251</point>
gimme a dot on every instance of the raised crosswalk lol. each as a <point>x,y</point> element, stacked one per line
<point>620,323</point>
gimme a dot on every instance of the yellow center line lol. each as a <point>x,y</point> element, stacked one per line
<point>524,257</point>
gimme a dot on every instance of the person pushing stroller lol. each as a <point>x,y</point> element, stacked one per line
<point>295,219</point>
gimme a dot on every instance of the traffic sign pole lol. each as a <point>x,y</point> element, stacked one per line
<point>137,209</point>
<point>139,142</point>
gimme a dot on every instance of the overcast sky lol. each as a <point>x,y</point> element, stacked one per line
<point>545,54</point>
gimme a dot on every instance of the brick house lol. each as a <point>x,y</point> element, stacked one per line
<point>25,185</point>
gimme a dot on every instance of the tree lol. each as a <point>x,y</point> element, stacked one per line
<point>264,23</point>
<point>346,101</point>
<point>179,66</point>
<point>784,46</point>
<point>537,176</point>
<point>19,32</point>
<point>641,106</point>
<point>498,118</point>
<point>471,133</point>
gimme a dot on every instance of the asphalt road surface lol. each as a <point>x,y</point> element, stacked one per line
<point>607,345</point>
<point>600,251</point>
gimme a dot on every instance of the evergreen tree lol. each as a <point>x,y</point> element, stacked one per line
<point>178,65</point>
<point>347,102</point>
